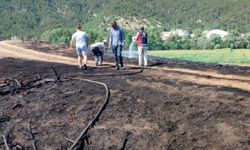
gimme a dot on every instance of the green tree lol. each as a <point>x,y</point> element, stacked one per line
<point>155,40</point>
<point>235,40</point>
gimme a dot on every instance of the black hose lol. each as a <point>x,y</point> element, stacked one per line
<point>140,70</point>
<point>79,142</point>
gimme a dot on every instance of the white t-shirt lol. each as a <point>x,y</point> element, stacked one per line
<point>100,45</point>
<point>81,39</point>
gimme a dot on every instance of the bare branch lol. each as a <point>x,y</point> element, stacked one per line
<point>32,137</point>
<point>5,142</point>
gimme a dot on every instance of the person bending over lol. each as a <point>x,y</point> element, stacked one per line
<point>98,50</point>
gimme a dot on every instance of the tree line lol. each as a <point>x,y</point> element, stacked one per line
<point>30,18</point>
<point>234,40</point>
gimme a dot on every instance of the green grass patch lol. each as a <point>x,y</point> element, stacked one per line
<point>221,56</point>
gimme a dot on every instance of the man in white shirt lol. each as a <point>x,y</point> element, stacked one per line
<point>98,50</point>
<point>81,41</point>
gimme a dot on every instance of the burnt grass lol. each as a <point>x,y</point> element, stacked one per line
<point>150,112</point>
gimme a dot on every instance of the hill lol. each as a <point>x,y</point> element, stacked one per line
<point>30,18</point>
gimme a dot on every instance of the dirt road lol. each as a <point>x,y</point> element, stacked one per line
<point>171,105</point>
<point>195,76</point>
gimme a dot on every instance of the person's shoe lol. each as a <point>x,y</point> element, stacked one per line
<point>117,68</point>
<point>85,67</point>
<point>122,67</point>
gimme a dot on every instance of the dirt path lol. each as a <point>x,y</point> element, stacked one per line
<point>8,50</point>
<point>180,74</point>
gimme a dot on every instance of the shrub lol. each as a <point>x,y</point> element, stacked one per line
<point>154,38</point>
<point>217,46</point>
<point>186,46</point>
<point>57,36</point>
<point>236,40</point>
<point>247,40</point>
<point>204,43</point>
<point>215,39</point>
<point>248,46</point>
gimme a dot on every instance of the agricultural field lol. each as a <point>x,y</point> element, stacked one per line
<point>221,56</point>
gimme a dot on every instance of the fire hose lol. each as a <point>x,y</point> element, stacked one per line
<point>14,86</point>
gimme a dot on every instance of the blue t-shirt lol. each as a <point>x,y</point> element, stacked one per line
<point>116,37</point>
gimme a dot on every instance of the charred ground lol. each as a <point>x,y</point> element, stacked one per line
<point>157,110</point>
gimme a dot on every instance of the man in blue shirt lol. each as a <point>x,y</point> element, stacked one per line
<point>116,42</point>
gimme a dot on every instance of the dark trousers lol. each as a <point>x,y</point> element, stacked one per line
<point>117,51</point>
<point>98,55</point>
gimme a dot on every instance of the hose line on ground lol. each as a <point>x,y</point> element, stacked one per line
<point>140,70</point>
<point>80,140</point>
<point>79,143</point>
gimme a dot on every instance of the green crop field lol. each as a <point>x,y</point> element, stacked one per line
<point>221,56</point>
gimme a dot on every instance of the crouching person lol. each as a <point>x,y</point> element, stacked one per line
<point>98,50</point>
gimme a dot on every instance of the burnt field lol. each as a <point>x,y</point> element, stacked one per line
<point>170,105</point>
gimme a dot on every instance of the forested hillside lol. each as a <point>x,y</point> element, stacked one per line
<point>30,18</point>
